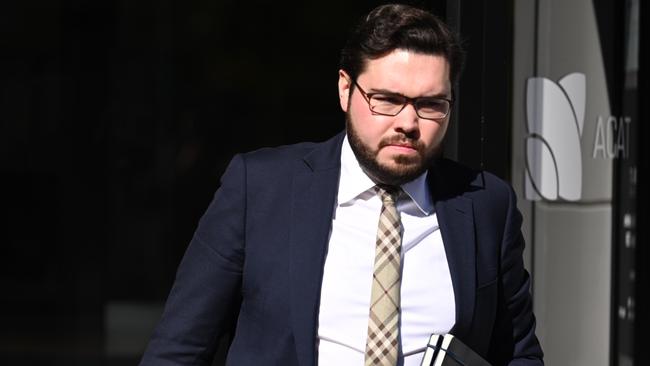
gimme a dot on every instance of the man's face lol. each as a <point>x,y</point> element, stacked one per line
<point>395,150</point>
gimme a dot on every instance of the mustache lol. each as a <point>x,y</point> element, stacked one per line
<point>401,140</point>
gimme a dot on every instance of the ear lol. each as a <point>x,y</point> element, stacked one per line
<point>345,84</point>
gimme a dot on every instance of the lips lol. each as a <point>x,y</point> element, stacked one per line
<point>401,145</point>
<point>405,146</point>
<point>405,149</point>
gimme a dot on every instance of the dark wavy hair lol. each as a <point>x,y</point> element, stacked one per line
<point>394,26</point>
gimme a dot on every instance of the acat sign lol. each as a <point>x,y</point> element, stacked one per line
<point>612,138</point>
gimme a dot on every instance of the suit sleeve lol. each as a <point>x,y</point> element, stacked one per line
<point>205,297</point>
<point>513,341</point>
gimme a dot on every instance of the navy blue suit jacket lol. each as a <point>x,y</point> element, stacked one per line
<point>257,259</point>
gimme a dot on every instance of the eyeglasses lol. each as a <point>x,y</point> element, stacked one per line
<point>391,104</point>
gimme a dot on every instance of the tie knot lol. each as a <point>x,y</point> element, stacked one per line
<point>388,194</point>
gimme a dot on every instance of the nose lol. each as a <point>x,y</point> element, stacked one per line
<point>407,122</point>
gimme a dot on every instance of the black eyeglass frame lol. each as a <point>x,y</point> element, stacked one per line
<point>407,100</point>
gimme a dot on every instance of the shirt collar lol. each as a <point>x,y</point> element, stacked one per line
<point>354,181</point>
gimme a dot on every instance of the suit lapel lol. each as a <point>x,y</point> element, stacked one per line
<point>457,229</point>
<point>456,219</point>
<point>313,195</point>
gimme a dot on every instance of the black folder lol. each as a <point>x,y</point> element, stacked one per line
<point>447,350</point>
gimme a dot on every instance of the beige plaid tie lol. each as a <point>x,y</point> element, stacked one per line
<point>383,325</point>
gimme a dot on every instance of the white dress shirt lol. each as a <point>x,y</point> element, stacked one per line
<point>427,296</point>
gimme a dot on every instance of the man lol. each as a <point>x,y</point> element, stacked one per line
<point>291,250</point>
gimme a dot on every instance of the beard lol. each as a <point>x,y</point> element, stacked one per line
<point>404,169</point>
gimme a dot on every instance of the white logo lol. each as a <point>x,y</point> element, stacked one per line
<point>555,116</point>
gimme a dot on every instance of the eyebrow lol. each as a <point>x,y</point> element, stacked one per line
<point>390,92</point>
